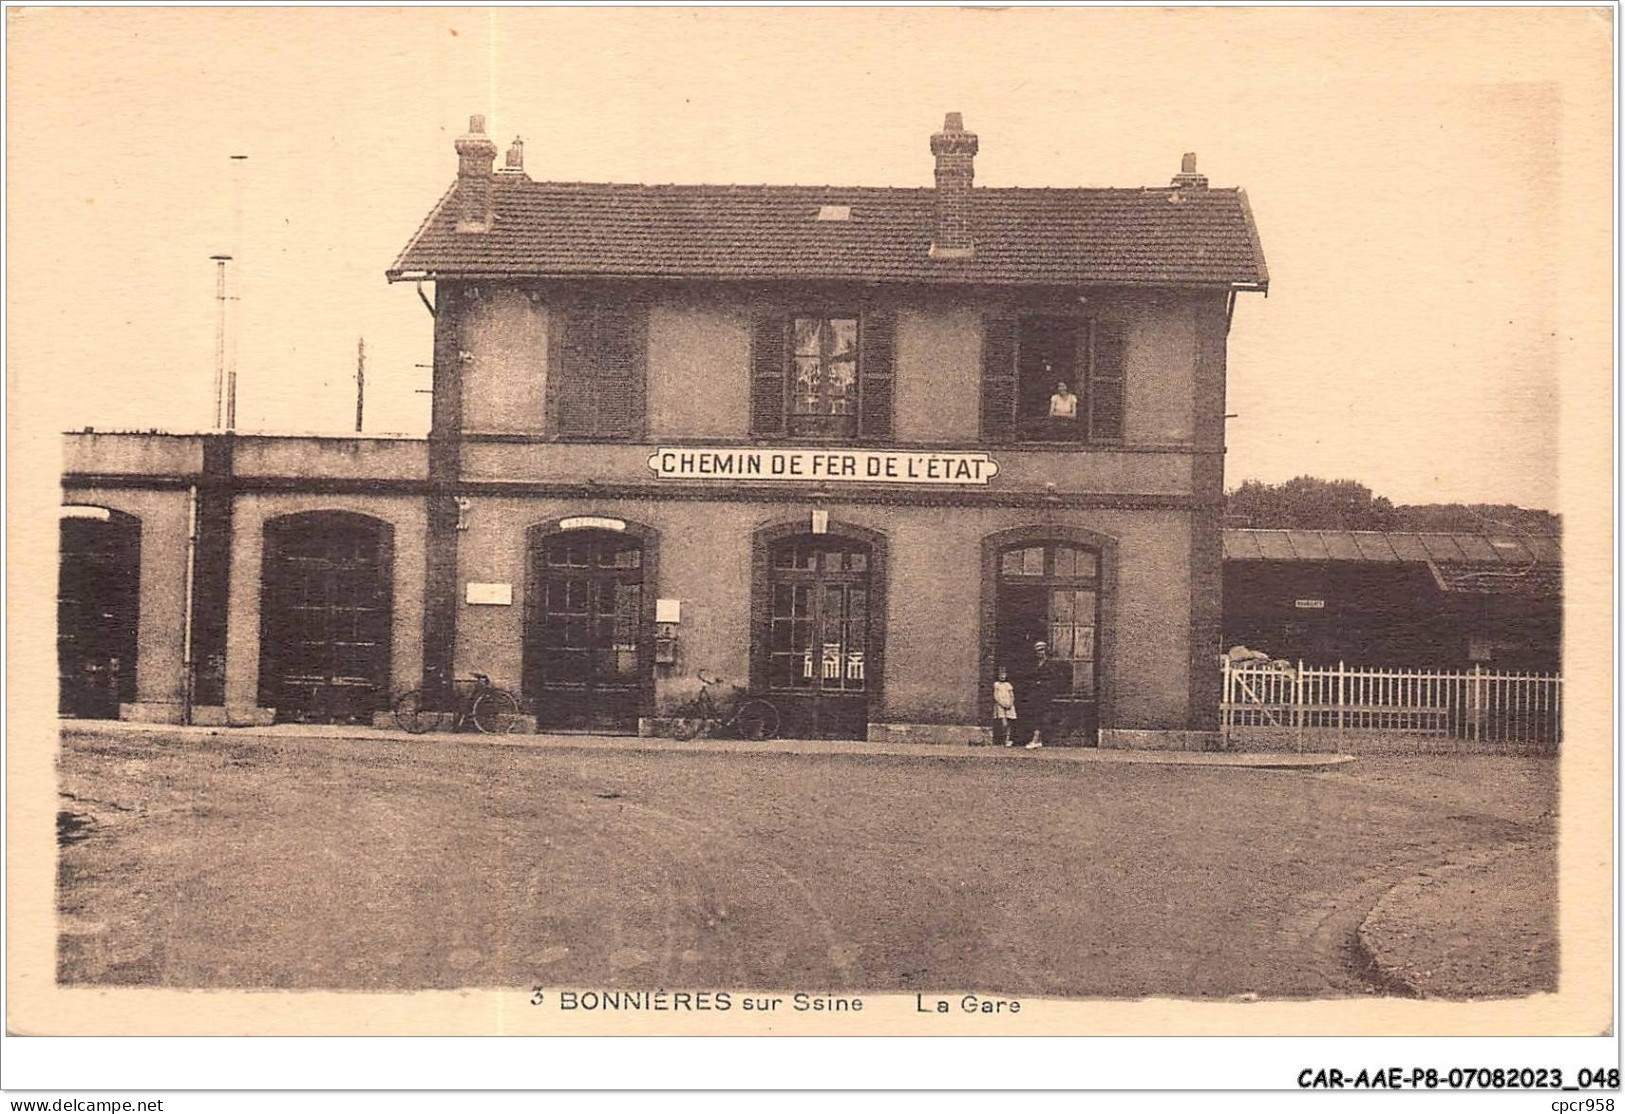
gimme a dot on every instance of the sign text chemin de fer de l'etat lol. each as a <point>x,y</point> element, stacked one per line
<point>836,465</point>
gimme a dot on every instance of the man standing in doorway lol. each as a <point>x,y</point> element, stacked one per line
<point>1049,679</point>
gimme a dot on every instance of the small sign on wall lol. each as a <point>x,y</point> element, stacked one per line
<point>1309,605</point>
<point>499,594</point>
<point>591,522</point>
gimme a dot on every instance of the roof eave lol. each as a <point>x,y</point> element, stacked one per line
<point>398,267</point>
<point>1263,281</point>
<point>403,274</point>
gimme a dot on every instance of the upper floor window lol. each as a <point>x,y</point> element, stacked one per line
<point>597,373</point>
<point>824,393</point>
<point>1052,379</point>
<point>822,376</point>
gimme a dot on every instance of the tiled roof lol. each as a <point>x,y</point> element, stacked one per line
<point>1161,236</point>
<point>1482,564</point>
<point>1492,550</point>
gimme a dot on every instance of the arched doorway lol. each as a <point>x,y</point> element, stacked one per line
<point>325,604</point>
<point>817,651</point>
<point>1050,591</point>
<point>98,605</point>
<point>587,664</point>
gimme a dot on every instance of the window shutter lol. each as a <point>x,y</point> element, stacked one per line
<point>879,341</point>
<point>598,384</point>
<point>573,377</point>
<point>999,378</point>
<point>769,342</point>
<point>1106,377</point>
<point>618,372</point>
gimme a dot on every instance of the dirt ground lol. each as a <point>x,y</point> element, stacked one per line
<point>318,863</point>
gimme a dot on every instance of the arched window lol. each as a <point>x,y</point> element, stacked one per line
<point>819,626</point>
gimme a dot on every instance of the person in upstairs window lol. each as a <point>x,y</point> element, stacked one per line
<point>1063,404</point>
<point>1004,708</point>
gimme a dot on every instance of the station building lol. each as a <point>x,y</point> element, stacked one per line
<point>854,448</point>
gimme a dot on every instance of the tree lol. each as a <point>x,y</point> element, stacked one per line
<point>1311,503</point>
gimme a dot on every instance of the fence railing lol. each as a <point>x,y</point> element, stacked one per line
<point>1477,705</point>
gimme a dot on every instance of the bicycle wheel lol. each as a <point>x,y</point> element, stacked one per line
<point>756,719</point>
<point>684,728</point>
<point>411,715</point>
<point>496,713</point>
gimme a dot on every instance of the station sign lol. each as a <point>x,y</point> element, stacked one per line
<point>823,465</point>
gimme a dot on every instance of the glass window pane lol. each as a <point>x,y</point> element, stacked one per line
<point>1061,606</point>
<point>840,386</point>
<point>1083,678</point>
<point>807,392</point>
<point>1087,563</point>
<point>1064,560</point>
<point>801,632</point>
<point>806,336</point>
<point>575,632</point>
<point>1084,641</point>
<point>843,334</point>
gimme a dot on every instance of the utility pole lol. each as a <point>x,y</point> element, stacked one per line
<point>238,169</point>
<point>360,379</point>
<point>220,261</point>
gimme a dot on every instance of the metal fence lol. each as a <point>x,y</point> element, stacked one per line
<point>1281,702</point>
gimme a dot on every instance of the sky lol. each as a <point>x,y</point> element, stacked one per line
<point>1419,179</point>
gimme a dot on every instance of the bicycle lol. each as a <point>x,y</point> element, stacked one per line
<point>749,717</point>
<point>493,711</point>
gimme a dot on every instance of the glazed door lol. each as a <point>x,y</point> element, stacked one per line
<point>97,603</point>
<point>584,660</point>
<point>325,618</point>
<point>1051,593</point>
<point>818,654</point>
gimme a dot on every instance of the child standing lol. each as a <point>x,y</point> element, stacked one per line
<point>1004,708</point>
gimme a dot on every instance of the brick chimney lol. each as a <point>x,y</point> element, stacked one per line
<point>476,156</point>
<point>955,149</point>
<point>514,163</point>
<point>1187,178</point>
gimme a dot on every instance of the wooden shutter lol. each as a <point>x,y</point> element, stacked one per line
<point>572,378</point>
<point>875,375</point>
<point>598,381</point>
<point>999,378</point>
<point>618,366</point>
<point>769,358</point>
<point>1107,371</point>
